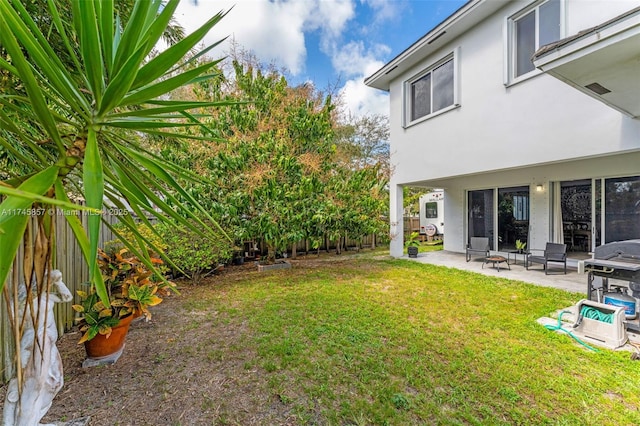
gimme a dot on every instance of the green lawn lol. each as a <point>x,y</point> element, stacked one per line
<point>367,340</point>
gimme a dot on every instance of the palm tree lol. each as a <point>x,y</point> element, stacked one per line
<point>77,129</point>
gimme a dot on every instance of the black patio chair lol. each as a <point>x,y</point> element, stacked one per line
<point>478,246</point>
<point>553,253</point>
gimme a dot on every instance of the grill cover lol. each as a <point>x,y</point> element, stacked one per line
<point>624,251</point>
<point>620,259</point>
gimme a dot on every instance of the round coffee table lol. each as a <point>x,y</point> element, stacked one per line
<point>496,260</point>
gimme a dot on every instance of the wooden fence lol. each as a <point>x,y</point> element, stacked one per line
<point>70,261</point>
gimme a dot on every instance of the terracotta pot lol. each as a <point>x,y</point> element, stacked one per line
<point>101,346</point>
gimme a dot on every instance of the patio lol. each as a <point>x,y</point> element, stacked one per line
<point>572,281</point>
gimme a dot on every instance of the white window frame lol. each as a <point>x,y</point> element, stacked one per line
<point>455,55</point>
<point>510,41</point>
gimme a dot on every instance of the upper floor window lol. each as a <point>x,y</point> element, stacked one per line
<point>432,91</point>
<point>531,29</point>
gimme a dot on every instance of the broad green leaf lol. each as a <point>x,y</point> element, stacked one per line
<point>46,59</point>
<point>172,107</point>
<point>165,86</point>
<point>151,194</point>
<point>90,46</point>
<point>14,216</point>
<point>11,233</point>
<point>120,83</point>
<point>105,23</point>
<point>182,136</point>
<point>22,198</point>
<point>124,180</point>
<point>132,34</point>
<point>93,191</point>
<point>169,166</point>
<point>168,58</point>
<point>159,24</point>
<point>35,198</point>
<point>200,54</point>
<point>10,23</point>
<point>57,21</point>
<point>83,241</point>
<point>142,124</point>
<point>7,66</point>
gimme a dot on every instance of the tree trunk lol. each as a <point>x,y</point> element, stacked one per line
<point>271,253</point>
<point>294,250</point>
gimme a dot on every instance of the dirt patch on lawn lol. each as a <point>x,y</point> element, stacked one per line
<point>189,365</point>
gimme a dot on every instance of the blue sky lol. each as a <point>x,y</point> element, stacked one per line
<point>328,42</point>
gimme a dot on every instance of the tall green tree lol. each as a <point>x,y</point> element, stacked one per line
<point>364,141</point>
<point>280,145</point>
<point>283,173</point>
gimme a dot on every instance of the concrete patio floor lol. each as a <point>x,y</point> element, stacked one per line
<point>573,282</point>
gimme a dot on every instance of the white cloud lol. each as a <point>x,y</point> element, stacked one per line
<point>361,100</point>
<point>274,31</point>
<point>356,62</point>
<point>385,10</point>
<point>354,59</point>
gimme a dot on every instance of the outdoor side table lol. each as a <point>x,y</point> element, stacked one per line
<point>496,260</point>
<point>515,254</point>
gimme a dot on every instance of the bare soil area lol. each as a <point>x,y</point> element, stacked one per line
<point>184,367</point>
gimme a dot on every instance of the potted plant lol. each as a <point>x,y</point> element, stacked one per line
<point>520,246</point>
<point>238,256</point>
<point>412,244</point>
<point>132,288</point>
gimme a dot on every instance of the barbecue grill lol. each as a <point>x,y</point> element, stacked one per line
<point>619,262</point>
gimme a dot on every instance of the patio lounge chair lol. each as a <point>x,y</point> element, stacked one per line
<point>552,253</point>
<point>478,246</point>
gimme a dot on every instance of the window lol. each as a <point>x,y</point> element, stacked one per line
<point>531,30</point>
<point>431,210</point>
<point>432,91</point>
<point>622,208</point>
<point>521,207</point>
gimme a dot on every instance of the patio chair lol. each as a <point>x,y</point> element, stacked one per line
<point>553,253</point>
<point>478,246</point>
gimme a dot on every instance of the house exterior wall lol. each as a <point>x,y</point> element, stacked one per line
<point>532,132</point>
<point>627,164</point>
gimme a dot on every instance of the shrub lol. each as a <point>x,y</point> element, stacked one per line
<point>195,254</point>
<point>148,233</point>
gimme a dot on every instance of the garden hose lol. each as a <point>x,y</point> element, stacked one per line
<point>595,314</point>
<point>559,328</point>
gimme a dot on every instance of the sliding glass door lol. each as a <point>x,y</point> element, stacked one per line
<point>621,208</point>
<point>600,211</point>
<point>513,216</point>
<point>480,214</point>
<point>576,209</point>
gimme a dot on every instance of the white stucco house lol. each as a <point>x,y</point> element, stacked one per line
<point>527,114</point>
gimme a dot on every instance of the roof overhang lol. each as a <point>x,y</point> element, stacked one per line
<point>470,14</point>
<point>602,62</point>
